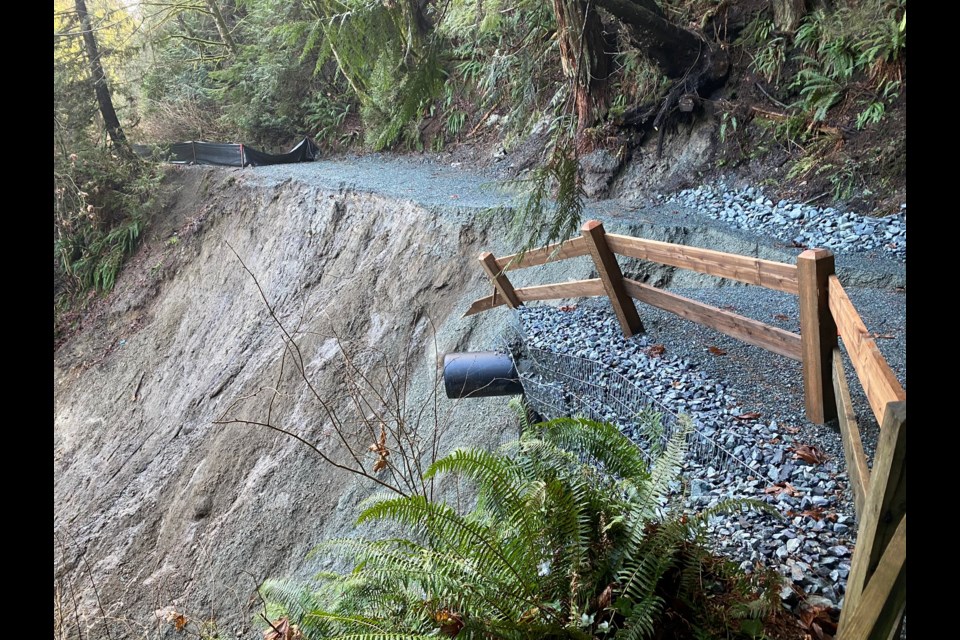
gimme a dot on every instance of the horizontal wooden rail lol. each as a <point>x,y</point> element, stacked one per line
<point>550,253</point>
<point>856,460</point>
<point>572,289</point>
<point>876,377</point>
<point>726,322</point>
<point>766,273</point>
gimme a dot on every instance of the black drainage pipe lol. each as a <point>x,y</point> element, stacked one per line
<point>480,374</point>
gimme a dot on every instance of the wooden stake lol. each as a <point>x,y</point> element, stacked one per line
<point>500,281</point>
<point>818,333</point>
<point>612,277</point>
<point>879,610</point>
<point>857,468</point>
<point>886,506</point>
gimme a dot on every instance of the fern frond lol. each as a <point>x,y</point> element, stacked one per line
<point>602,442</point>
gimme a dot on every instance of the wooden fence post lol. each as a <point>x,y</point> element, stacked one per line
<point>876,587</point>
<point>612,278</point>
<point>500,281</point>
<point>818,334</point>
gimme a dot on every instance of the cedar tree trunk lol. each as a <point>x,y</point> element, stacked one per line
<point>100,81</point>
<point>585,58</point>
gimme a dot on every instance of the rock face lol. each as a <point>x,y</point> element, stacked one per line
<point>158,506</point>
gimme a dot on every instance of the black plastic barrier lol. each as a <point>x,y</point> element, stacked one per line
<point>229,155</point>
<point>480,374</point>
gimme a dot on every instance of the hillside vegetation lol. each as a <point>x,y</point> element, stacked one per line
<point>811,88</point>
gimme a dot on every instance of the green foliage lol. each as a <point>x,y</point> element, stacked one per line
<point>100,194</point>
<point>569,537</point>
<point>551,197</point>
<point>727,120</point>
<point>100,204</point>
<point>770,47</point>
<point>842,46</point>
<point>636,81</point>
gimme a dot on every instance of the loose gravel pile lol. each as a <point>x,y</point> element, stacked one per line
<point>812,540</point>
<point>800,224</point>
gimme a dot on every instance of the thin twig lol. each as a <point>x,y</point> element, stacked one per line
<point>772,99</point>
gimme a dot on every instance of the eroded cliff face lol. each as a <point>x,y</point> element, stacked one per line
<point>157,505</point>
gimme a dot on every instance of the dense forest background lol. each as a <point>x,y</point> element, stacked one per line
<point>816,87</point>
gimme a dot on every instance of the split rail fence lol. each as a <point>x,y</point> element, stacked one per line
<point>875,597</point>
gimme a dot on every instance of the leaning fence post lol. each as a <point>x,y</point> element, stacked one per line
<point>818,334</point>
<point>612,278</point>
<point>500,281</point>
<point>881,538</point>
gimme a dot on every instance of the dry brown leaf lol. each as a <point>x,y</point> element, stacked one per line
<point>716,351</point>
<point>380,448</point>
<point>791,430</point>
<point>450,622</point>
<point>781,317</point>
<point>655,350</point>
<point>282,630</point>
<point>567,307</point>
<point>782,487</point>
<point>809,453</point>
<point>817,513</point>
<point>750,415</point>
<point>179,621</point>
<point>818,620</point>
<point>606,598</point>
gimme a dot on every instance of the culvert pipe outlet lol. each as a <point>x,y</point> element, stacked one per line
<point>480,374</point>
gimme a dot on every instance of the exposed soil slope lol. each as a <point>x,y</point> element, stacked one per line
<point>154,503</point>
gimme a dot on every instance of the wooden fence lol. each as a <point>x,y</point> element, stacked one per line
<point>875,596</point>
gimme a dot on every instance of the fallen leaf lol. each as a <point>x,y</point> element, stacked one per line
<point>816,513</point>
<point>656,350</point>
<point>567,307</point>
<point>782,487</point>
<point>282,630</point>
<point>450,622</point>
<point>750,415</point>
<point>729,307</point>
<point>819,620</point>
<point>179,621</point>
<point>809,453</point>
<point>781,317</point>
<point>606,598</point>
<point>791,430</point>
<point>716,351</point>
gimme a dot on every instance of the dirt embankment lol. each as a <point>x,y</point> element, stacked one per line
<point>155,504</point>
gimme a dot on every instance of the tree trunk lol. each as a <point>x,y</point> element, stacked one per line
<point>585,58</point>
<point>222,29</point>
<point>787,14</point>
<point>104,100</point>
<point>696,66</point>
<point>675,50</point>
